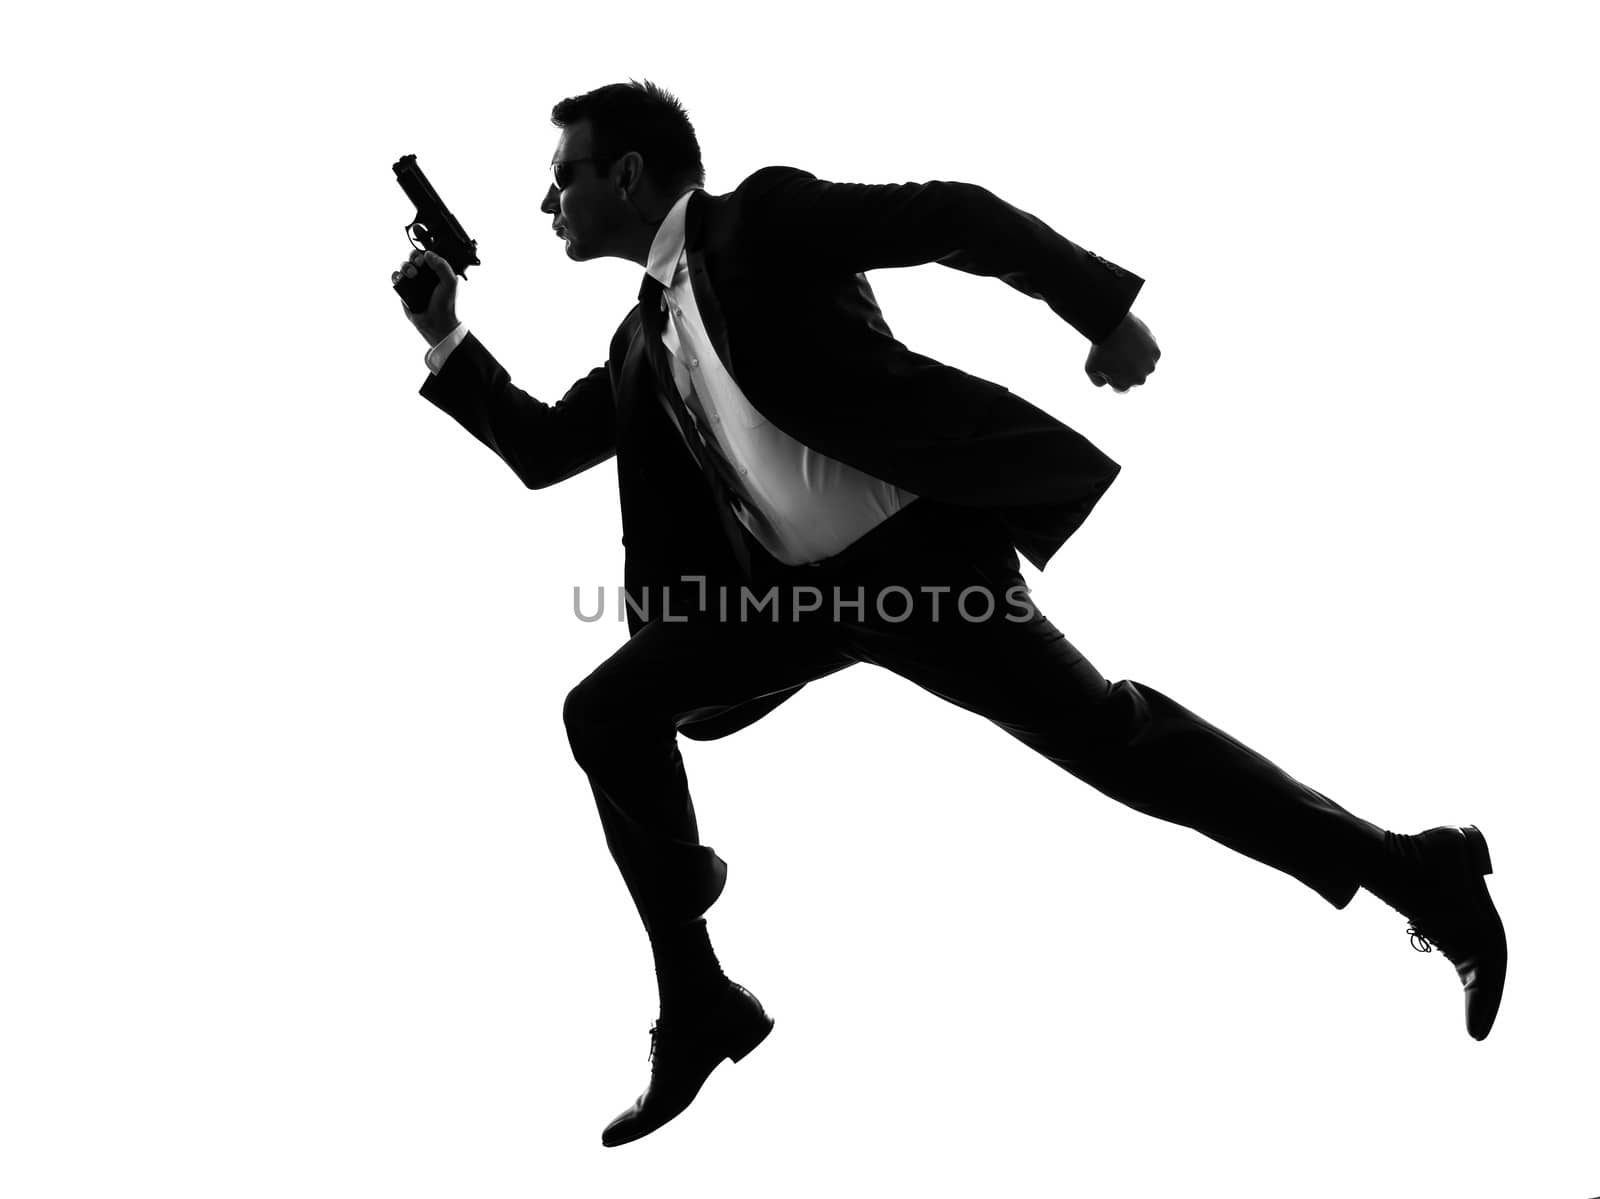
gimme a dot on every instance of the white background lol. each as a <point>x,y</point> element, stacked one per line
<point>301,892</point>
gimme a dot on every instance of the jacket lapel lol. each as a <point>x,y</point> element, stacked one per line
<point>700,278</point>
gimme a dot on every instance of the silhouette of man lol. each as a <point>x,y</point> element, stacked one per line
<point>801,492</point>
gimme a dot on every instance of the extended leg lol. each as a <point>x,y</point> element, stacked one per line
<point>1127,740</point>
<point>1138,746</point>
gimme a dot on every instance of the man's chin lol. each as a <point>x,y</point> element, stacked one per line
<point>574,250</point>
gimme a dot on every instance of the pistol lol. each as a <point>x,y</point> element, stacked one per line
<point>433,229</point>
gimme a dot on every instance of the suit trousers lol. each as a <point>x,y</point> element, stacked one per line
<point>933,594</point>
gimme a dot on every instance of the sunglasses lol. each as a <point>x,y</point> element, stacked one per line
<point>563,170</point>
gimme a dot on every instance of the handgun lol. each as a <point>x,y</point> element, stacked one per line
<point>433,229</point>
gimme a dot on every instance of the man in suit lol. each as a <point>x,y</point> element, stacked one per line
<point>800,492</point>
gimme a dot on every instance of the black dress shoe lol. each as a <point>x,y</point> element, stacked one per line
<point>1436,879</point>
<point>682,1056</point>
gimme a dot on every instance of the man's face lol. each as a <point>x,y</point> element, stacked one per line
<point>587,211</point>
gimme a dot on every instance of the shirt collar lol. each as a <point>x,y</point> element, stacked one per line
<point>667,247</point>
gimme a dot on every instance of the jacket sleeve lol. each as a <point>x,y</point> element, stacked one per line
<point>854,227</point>
<point>543,444</point>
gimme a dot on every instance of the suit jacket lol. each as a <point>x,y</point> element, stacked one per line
<point>778,270</point>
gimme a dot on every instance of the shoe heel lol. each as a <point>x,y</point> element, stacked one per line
<point>1477,850</point>
<point>750,1032</point>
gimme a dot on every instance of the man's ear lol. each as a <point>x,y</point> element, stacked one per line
<point>633,172</point>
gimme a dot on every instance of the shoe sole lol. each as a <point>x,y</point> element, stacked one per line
<point>1477,848</point>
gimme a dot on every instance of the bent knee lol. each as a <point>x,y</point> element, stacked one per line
<point>583,714</point>
<point>607,721</point>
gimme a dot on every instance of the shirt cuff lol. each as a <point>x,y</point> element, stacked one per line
<point>436,356</point>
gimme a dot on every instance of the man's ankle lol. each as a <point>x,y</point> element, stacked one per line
<point>688,976</point>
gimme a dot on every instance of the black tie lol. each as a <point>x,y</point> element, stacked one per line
<point>725,488</point>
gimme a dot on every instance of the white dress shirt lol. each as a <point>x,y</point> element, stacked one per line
<point>814,505</point>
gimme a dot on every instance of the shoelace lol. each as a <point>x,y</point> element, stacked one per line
<point>1419,942</point>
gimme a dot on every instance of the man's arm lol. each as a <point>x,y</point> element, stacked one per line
<point>543,444</point>
<point>854,227</point>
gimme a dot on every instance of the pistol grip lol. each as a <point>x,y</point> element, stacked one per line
<point>416,289</point>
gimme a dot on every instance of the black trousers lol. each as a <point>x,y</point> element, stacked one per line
<point>941,603</point>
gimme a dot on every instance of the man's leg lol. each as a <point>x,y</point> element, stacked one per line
<point>622,722</point>
<point>1138,746</point>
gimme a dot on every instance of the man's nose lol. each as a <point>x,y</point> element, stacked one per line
<point>552,201</point>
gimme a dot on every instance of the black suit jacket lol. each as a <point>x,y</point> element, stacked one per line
<point>778,270</point>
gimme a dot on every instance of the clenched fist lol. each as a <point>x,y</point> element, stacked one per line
<point>438,319</point>
<point>1124,358</point>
